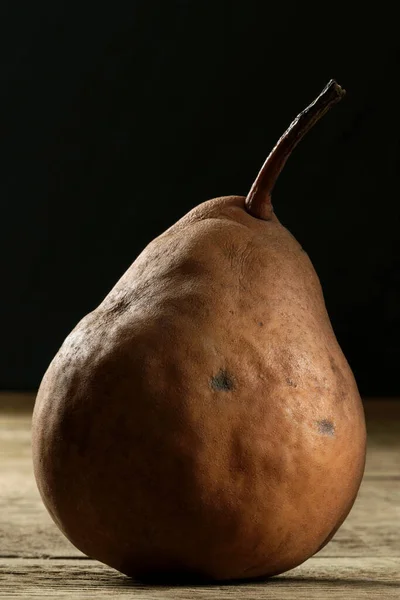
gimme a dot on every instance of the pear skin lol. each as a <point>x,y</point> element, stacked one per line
<point>202,423</point>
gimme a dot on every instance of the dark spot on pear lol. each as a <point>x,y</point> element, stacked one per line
<point>222,382</point>
<point>326,427</point>
<point>291,382</point>
<point>261,323</point>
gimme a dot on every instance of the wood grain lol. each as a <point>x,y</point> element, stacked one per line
<point>362,560</point>
<point>367,577</point>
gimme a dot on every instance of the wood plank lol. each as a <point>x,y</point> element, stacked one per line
<point>383,424</point>
<point>26,529</point>
<point>355,578</point>
<point>16,402</point>
<point>362,560</point>
<point>383,428</point>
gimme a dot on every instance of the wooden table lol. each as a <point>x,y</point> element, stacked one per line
<point>362,560</point>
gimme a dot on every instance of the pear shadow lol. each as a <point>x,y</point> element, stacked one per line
<point>160,583</point>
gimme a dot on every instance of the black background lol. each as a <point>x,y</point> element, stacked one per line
<point>118,119</point>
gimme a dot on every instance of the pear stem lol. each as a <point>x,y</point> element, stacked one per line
<point>258,200</point>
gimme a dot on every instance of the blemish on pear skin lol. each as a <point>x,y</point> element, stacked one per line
<point>326,427</point>
<point>222,382</point>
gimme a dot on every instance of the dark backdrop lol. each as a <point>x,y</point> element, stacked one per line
<point>117,119</point>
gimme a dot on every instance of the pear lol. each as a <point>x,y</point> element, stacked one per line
<point>202,423</point>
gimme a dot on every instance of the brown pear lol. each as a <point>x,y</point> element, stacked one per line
<point>202,423</point>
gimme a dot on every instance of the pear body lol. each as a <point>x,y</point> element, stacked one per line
<point>203,422</point>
